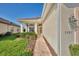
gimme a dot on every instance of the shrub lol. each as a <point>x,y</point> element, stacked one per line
<point>10,37</point>
<point>17,35</point>
<point>74,49</point>
<point>1,35</point>
<point>7,33</point>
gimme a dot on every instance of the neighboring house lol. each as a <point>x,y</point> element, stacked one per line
<point>59,26</point>
<point>7,26</point>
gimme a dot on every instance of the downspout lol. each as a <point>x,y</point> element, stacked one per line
<point>59,27</point>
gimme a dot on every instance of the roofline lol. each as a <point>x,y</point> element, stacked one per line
<point>28,18</point>
<point>2,20</point>
<point>45,12</point>
<point>30,21</point>
<point>37,18</point>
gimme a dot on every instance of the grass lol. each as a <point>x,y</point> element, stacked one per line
<point>9,46</point>
<point>74,49</point>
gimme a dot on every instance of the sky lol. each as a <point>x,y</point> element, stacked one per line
<point>14,11</point>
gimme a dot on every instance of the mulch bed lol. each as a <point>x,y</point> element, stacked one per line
<point>31,44</point>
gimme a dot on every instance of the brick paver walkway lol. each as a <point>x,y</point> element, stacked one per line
<point>41,48</point>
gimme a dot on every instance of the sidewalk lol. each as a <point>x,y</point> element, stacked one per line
<point>41,48</point>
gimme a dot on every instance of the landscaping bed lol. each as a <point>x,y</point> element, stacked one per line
<point>74,49</point>
<point>23,46</point>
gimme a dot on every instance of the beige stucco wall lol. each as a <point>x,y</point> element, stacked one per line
<point>66,37</point>
<point>7,28</point>
<point>50,29</point>
<point>15,29</point>
<point>3,28</point>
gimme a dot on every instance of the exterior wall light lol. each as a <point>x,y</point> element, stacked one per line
<point>73,23</point>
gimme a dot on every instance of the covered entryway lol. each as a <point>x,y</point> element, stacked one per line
<point>32,25</point>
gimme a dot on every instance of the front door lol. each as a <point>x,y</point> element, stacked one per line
<point>39,29</point>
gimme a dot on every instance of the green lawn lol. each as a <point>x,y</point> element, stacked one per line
<point>74,49</point>
<point>9,46</point>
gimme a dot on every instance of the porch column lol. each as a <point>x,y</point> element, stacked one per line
<point>35,28</point>
<point>21,26</point>
<point>27,28</point>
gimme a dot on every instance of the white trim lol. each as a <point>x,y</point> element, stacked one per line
<point>44,7</point>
